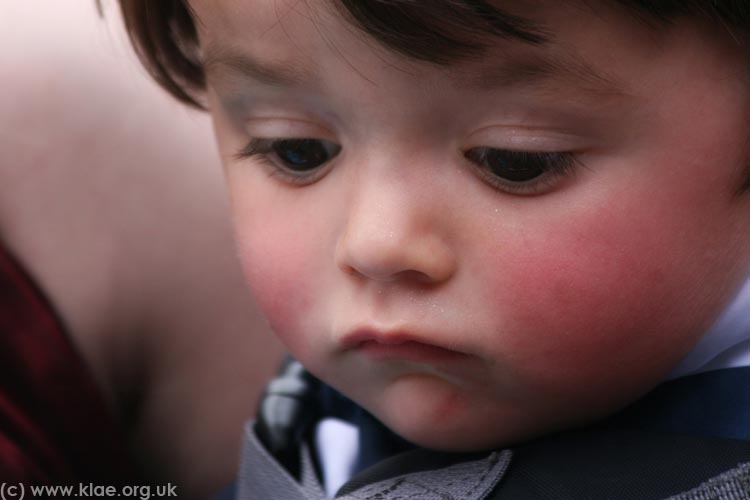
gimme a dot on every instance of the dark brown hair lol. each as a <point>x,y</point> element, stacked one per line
<point>440,31</point>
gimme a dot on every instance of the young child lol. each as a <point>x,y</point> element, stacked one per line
<point>492,225</point>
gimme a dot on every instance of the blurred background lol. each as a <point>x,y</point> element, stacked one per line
<point>112,202</point>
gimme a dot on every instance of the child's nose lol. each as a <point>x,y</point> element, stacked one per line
<point>391,236</point>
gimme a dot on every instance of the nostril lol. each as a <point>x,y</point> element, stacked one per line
<point>347,269</point>
<point>423,260</point>
<point>411,276</point>
<point>414,276</point>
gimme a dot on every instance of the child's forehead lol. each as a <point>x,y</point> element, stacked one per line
<point>410,27</point>
<point>447,32</point>
<point>594,49</point>
<point>274,42</point>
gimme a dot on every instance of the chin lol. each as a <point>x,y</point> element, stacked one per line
<point>452,427</point>
<point>462,427</point>
<point>467,436</point>
<point>475,435</point>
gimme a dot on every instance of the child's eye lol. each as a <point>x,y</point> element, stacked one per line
<point>521,172</point>
<point>300,160</point>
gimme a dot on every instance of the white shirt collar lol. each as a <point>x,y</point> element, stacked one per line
<point>726,344</point>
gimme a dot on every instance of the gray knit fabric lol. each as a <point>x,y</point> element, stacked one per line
<point>731,485</point>
<point>262,478</point>
<point>464,481</point>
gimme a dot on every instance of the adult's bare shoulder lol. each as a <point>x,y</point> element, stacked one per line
<point>112,195</point>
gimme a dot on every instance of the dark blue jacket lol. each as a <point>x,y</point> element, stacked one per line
<point>687,440</point>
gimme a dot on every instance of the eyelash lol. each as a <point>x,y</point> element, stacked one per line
<point>554,166</point>
<point>264,150</point>
<point>551,166</point>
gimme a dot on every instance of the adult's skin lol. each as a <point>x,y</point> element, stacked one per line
<point>112,196</point>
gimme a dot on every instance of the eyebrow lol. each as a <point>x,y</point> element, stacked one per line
<point>538,71</point>
<point>542,71</point>
<point>277,74</point>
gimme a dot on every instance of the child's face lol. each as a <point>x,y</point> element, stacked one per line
<point>530,291</point>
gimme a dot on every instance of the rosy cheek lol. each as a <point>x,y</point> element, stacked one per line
<point>636,274</point>
<point>575,285</point>
<point>278,256</point>
<point>279,290</point>
<point>588,292</point>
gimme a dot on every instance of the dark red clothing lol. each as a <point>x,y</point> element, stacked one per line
<point>54,425</point>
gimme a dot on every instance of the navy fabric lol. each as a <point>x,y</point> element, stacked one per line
<point>228,493</point>
<point>713,404</point>
<point>620,464</point>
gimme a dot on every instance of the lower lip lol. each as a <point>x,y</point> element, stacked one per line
<point>409,351</point>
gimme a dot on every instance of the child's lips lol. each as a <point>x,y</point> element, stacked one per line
<point>409,351</point>
<point>399,345</point>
